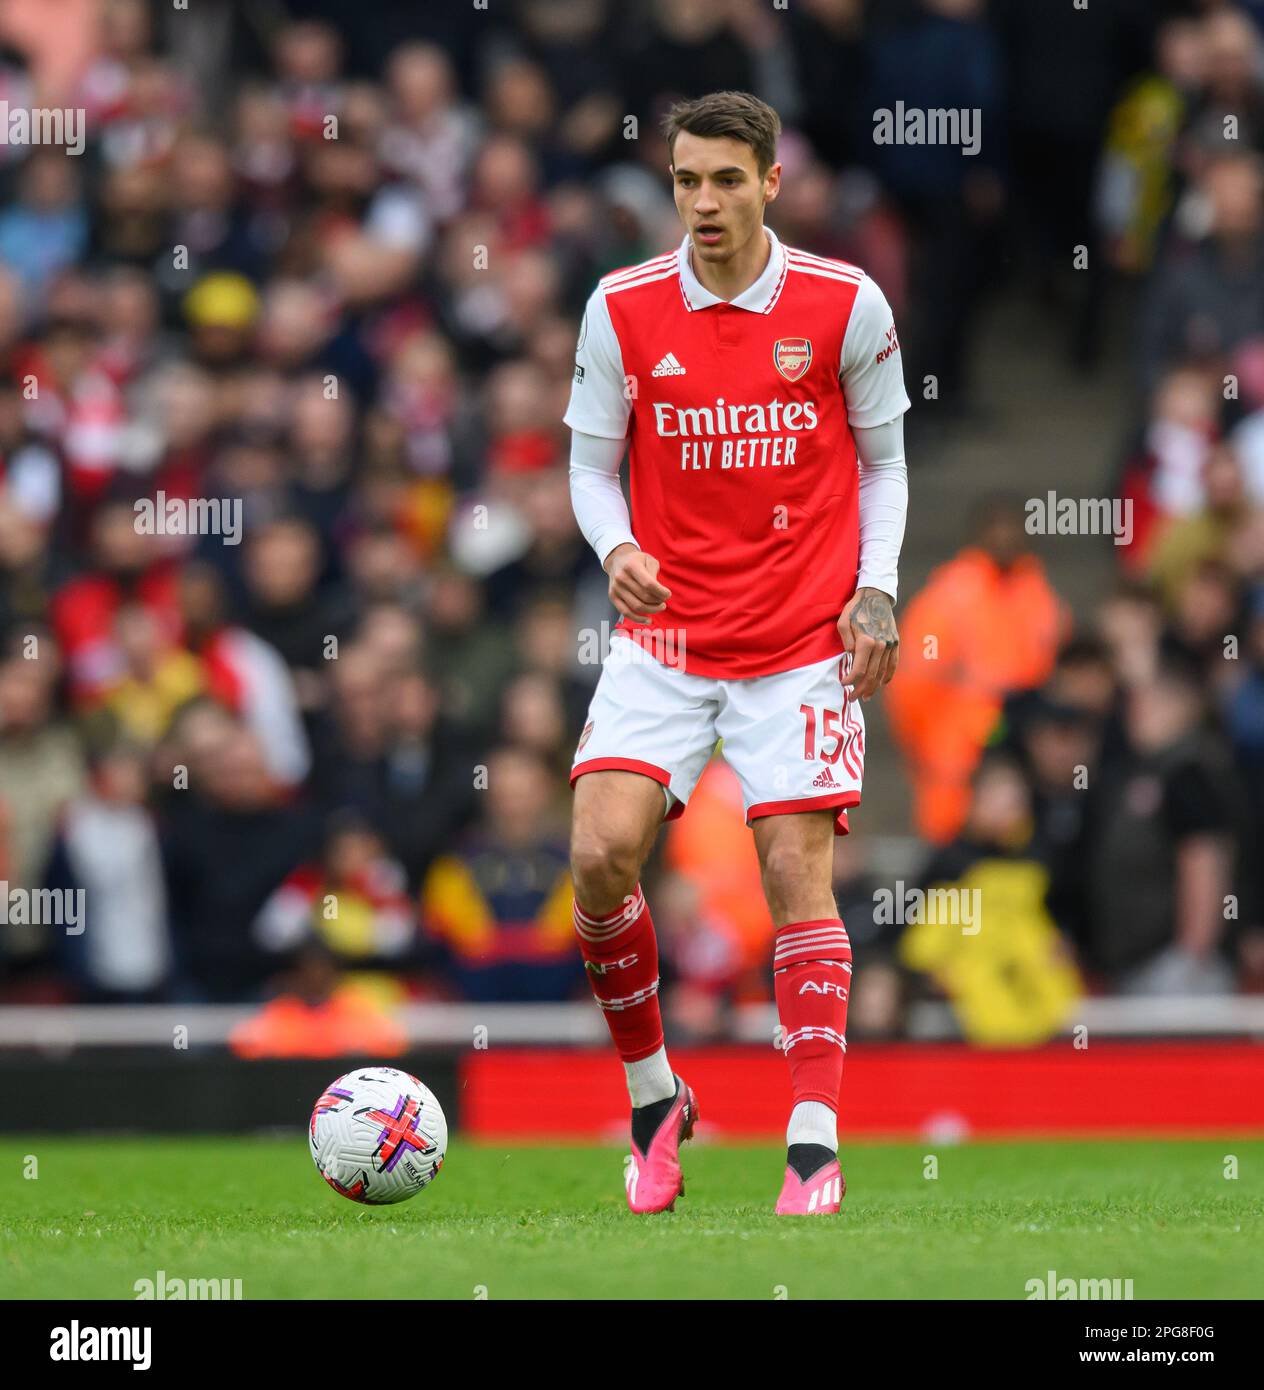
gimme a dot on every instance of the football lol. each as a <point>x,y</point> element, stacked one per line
<point>377,1135</point>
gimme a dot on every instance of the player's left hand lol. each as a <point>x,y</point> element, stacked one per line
<point>868,630</point>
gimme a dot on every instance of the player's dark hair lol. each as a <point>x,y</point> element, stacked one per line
<point>732,115</point>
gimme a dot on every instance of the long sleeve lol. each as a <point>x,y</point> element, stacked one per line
<point>873,383</point>
<point>596,495</point>
<point>883,503</point>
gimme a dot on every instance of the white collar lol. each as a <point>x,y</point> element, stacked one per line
<point>758,298</point>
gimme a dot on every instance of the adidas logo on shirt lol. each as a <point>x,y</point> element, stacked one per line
<point>668,367</point>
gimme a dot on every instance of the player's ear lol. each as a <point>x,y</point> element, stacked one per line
<point>772,183</point>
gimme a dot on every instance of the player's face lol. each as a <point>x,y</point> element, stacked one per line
<point>719,193</point>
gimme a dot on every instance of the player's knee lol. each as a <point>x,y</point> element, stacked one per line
<point>604,868</point>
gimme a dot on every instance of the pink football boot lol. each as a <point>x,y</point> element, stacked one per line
<point>820,1195</point>
<point>654,1179</point>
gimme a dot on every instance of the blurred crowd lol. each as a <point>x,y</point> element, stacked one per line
<point>1117,753</point>
<point>331,272</point>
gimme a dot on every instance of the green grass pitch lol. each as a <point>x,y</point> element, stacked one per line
<point>517,1221</point>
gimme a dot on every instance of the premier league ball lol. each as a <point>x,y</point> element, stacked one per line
<point>378,1135</point>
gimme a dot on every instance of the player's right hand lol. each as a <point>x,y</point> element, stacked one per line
<point>634,587</point>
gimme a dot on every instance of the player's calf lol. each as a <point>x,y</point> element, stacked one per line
<point>616,938</point>
<point>617,815</point>
<point>621,957</point>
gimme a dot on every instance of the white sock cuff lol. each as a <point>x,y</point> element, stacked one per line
<point>813,1122</point>
<point>650,1079</point>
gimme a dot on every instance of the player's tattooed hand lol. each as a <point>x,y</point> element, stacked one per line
<point>868,630</point>
<point>634,587</point>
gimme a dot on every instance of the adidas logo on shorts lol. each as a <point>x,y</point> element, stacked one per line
<point>668,367</point>
<point>825,779</point>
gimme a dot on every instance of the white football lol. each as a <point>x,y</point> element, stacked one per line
<point>378,1135</point>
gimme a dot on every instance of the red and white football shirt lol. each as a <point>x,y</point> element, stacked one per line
<point>743,467</point>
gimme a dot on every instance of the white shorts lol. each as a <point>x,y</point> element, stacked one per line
<point>795,739</point>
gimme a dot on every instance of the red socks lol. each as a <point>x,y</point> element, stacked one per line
<point>812,977</point>
<point>621,954</point>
